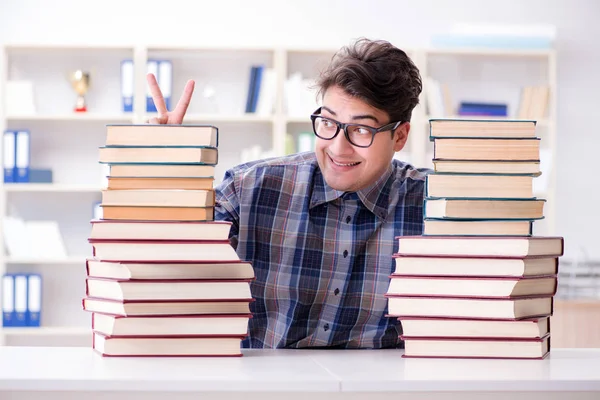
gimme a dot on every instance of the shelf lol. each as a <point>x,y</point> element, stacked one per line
<point>71,260</point>
<point>214,118</point>
<point>47,330</point>
<point>475,51</point>
<point>298,120</point>
<point>92,117</point>
<point>51,187</point>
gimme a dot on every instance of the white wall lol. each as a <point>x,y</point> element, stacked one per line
<point>336,22</point>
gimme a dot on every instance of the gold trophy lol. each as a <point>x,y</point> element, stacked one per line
<point>80,81</point>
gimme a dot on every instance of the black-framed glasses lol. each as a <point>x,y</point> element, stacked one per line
<point>358,135</point>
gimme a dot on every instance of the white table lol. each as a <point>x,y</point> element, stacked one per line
<point>53,373</point>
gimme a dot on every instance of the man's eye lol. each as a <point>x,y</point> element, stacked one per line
<point>359,130</point>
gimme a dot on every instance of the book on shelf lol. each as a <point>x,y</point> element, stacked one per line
<point>171,325</point>
<point>477,246</point>
<point>472,286</point>
<point>481,208</point>
<point>170,307</point>
<point>468,328</point>
<point>163,250</point>
<point>182,270</point>
<point>432,265</point>
<point>145,213</point>
<point>162,135</point>
<point>461,307</point>
<point>487,149</point>
<point>158,183</point>
<point>163,289</point>
<point>481,128</point>
<point>500,167</point>
<point>159,230</point>
<point>486,227</point>
<point>159,155</point>
<point>479,186</point>
<point>441,347</point>
<point>159,198</point>
<point>161,171</point>
<point>484,109</point>
<point>215,346</point>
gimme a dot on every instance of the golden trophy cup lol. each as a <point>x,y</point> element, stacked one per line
<point>80,81</point>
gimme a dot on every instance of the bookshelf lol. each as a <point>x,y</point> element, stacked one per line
<point>67,141</point>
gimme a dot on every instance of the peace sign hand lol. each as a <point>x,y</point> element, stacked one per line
<point>164,116</point>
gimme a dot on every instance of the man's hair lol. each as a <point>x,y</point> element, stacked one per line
<point>378,73</point>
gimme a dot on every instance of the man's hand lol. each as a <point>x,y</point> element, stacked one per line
<point>164,116</point>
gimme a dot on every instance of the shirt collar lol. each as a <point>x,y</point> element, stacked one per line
<point>374,197</point>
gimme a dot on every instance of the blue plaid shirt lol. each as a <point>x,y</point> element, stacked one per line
<point>322,257</point>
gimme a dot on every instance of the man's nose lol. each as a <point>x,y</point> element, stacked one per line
<point>340,144</point>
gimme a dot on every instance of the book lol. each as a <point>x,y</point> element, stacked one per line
<point>162,250</point>
<point>169,270</point>
<point>161,135</point>
<point>161,171</point>
<point>158,198</point>
<point>522,348</point>
<point>206,289</point>
<point>479,186</point>
<point>472,286</point>
<point>509,246</point>
<point>477,128</point>
<point>170,325</point>
<point>453,227</point>
<point>501,167</point>
<point>168,347</point>
<point>154,307</point>
<point>487,149</point>
<point>158,155</point>
<point>422,265</point>
<point>195,183</point>
<point>508,309</point>
<point>463,328</point>
<point>159,230</point>
<point>481,208</point>
<point>144,213</point>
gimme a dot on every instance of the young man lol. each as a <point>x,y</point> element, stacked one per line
<point>320,227</point>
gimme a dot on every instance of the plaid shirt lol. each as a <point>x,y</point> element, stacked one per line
<point>322,257</point>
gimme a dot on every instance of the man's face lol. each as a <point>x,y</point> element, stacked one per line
<point>349,168</point>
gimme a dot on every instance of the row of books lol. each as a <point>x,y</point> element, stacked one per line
<point>478,283</point>
<point>164,279</point>
<point>21,300</point>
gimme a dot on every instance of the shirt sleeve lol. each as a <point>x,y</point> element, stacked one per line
<point>227,205</point>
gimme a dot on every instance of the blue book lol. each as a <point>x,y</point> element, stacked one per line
<point>251,84</point>
<point>256,87</point>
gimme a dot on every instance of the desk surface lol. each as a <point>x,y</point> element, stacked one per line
<point>81,369</point>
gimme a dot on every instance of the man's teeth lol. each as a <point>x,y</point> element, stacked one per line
<point>346,165</point>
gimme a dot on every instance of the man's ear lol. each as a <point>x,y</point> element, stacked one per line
<point>401,136</point>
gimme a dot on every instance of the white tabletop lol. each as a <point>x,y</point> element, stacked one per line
<point>296,372</point>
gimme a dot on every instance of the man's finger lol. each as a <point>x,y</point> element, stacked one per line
<point>183,103</point>
<point>157,96</point>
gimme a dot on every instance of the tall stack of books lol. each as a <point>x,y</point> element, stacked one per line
<point>164,279</point>
<point>478,283</point>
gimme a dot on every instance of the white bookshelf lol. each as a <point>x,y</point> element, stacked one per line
<point>68,142</point>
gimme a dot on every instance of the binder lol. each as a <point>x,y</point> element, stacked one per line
<point>8,300</point>
<point>22,156</point>
<point>9,155</point>
<point>127,85</point>
<point>21,316</point>
<point>34,299</point>
<point>165,80</point>
<point>152,68</point>
<point>97,211</point>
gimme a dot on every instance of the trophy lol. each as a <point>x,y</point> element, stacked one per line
<point>80,81</point>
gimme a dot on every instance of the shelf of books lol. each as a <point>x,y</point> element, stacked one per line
<point>260,99</point>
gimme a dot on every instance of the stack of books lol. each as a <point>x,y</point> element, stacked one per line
<point>478,283</point>
<point>164,279</point>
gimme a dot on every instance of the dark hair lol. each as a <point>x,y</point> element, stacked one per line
<point>378,73</point>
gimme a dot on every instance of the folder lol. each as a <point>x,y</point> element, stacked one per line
<point>8,300</point>
<point>22,156</point>
<point>34,299</point>
<point>152,68</point>
<point>8,159</point>
<point>165,80</point>
<point>127,85</point>
<point>20,300</point>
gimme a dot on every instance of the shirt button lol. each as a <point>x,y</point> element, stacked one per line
<point>345,253</point>
<point>326,327</point>
<point>336,291</point>
<point>348,219</point>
